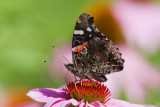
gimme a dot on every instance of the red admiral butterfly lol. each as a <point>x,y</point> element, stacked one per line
<point>94,55</point>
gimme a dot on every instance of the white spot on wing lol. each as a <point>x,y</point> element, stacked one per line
<point>73,49</point>
<point>90,35</point>
<point>89,29</point>
<point>80,32</point>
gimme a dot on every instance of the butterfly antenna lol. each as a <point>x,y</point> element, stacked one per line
<point>66,59</point>
<point>62,55</point>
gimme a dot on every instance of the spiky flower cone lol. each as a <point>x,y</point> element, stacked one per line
<point>88,91</point>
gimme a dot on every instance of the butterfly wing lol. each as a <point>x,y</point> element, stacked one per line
<point>94,55</point>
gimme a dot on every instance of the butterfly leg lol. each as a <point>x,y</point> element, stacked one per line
<point>75,78</point>
<point>95,85</point>
<point>81,81</point>
<point>77,81</point>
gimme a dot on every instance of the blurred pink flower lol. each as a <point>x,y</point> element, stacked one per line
<point>59,61</point>
<point>140,23</point>
<point>60,97</point>
<point>137,75</point>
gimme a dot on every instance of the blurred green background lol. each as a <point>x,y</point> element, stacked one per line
<point>28,28</point>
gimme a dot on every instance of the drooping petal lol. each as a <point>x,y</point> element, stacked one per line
<point>88,105</point>
<point>62,103</point>
<point>59,104</point>
<point>46,94</point>
<point>53,103</point>
<point>98,104</point>
<point>71,101</point>
<point>65,103</point>
<point>81,104</point>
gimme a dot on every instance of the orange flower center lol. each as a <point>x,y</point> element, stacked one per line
<point>88,91</point>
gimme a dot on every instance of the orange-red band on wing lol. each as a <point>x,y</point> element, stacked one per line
<point>80,47</point>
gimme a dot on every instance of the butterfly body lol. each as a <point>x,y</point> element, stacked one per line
<point>94,55</point>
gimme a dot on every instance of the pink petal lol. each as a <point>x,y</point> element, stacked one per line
<point>52,103</point>
<point>88,105</point>
<point>97,104</point>
<point>59,104</point>
<point>63,103</point>
<point>82,104</point>
<point>45,95</point>
<point>71,101</point>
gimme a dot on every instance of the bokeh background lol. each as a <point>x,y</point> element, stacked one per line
<point>28,28</point>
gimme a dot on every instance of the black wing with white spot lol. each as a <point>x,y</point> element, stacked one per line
<point>85,30</point>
